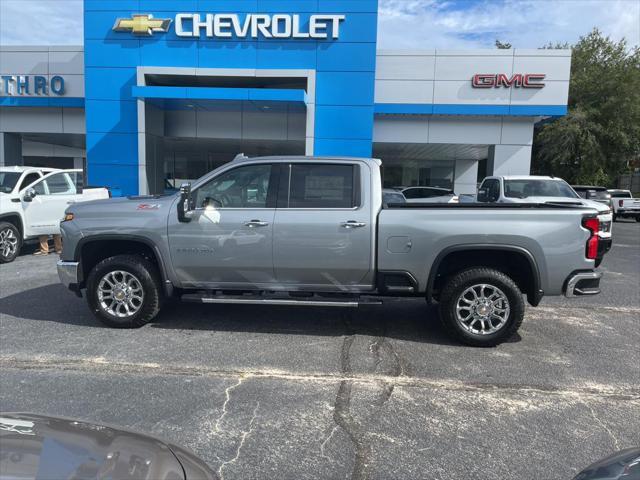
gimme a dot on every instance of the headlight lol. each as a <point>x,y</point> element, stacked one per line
<point>67,217</point>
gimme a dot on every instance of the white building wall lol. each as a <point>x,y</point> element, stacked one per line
<point>443,77</point>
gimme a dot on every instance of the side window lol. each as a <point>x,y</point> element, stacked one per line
<point>243,187</point>
<point>28,180</point>
<point>61,184</point>
<point>58,184</point>
<point>322,186</point>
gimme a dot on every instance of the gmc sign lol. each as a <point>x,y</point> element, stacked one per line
<point>519,80</point>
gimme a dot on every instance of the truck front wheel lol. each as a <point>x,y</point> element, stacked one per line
<point>10,242</point>
<point>481,307</point>
<point>124,291</point>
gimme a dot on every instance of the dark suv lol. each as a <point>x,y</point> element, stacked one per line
<point>599,194</point>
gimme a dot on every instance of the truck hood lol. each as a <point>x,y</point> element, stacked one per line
<point>123,204</point>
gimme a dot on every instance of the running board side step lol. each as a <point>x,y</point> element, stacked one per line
<point>312,301</point>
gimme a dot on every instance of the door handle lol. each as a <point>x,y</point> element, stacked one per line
<point>353,224</point>
<point>256,224</point>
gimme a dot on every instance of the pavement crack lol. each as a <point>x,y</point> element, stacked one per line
<point>227,393</point>
<point>614,439</point>
<point>342,409</point>
<point>243,437</point>
<point>326,441</point>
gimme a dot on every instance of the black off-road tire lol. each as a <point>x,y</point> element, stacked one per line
<point>458,283</point>
<point>145,271</point>
<point>6,228</point>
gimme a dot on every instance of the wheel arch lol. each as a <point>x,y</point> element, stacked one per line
<point>456,258</point>
<point>15,219</point>
<point>91,250</point>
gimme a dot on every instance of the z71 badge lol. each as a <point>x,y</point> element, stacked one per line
<point>148,206</point>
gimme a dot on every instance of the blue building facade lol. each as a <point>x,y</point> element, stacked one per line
<point>344,72</point>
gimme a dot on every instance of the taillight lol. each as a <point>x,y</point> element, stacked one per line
<point>620,203</point>
<point>593,225</point>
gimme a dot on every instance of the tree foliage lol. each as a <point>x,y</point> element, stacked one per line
<point>600,135</point>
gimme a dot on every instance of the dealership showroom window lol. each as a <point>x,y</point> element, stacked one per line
<point>157,97</point>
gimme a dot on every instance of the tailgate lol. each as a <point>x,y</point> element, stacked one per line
<point>631,204</point>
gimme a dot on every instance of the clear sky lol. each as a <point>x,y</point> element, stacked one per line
<point>402,23</point>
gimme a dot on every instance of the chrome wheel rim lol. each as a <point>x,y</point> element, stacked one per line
<point>482,309</point>
<point>8,243</point>
<point>120,294</point>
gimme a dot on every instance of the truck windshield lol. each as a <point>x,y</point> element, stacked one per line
<point>8,181</point>
<point>537,188</point>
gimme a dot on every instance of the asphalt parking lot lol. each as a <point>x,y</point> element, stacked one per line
<point>302,393</point>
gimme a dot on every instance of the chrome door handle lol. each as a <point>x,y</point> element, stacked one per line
<point>256,224</point>
<point>353,224</point>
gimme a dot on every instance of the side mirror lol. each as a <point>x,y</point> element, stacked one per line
<point>184,204</point>
<point>482,196</point>
<point>29,194</point>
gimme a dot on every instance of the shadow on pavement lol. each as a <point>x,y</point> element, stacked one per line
<point>409,320</point>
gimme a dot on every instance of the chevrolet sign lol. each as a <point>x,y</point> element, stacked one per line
<point>142,25</point>
<point>230,25</point>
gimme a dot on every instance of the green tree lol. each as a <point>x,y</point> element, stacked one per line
<point>600,135</point>
<point>502,45</point>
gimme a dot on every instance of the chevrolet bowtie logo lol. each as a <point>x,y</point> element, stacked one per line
<point>142,25</point>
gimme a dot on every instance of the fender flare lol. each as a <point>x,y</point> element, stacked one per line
<point>533,299</point>
<point>17,215</point>
<point>166,283</point>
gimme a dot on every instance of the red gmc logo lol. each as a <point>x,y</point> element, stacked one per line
<point>519,80</point>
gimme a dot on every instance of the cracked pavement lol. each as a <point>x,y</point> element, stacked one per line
<point>317,393</point>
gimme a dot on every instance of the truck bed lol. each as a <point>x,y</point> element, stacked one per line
<point>414,237</point>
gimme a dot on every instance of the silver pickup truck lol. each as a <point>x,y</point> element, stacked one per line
<point>313,231</point>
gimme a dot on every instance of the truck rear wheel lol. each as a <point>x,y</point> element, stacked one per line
<point>124,291</point>
<point>481,307</point>
<point>10,242</point>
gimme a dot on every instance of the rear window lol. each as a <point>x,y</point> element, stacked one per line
<point>621,195</point>
<point>594,194</point>
<point>322,186</point>
<point>537,188</point>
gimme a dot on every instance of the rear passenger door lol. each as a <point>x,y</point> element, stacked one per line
<point>323,228</point>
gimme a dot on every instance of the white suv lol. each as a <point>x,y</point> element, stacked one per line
<point>33,201</point>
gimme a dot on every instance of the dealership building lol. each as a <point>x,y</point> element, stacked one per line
<point>164,91</point>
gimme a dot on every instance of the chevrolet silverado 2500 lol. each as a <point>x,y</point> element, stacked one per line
<point>314,231</point>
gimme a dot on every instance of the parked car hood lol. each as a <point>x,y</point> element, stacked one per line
<point>48,448</point>
<point>623,465</point>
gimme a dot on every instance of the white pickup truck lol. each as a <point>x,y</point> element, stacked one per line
<point>33,201</point>
<point>624,205</point>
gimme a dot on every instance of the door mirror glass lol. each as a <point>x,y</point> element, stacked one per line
<point>185,210</point>
<point>482,195</point>
<point>29,194</point>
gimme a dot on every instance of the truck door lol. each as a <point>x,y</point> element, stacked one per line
<point>323,232</point>
<point>54,193</point>
<point>229,240</point>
